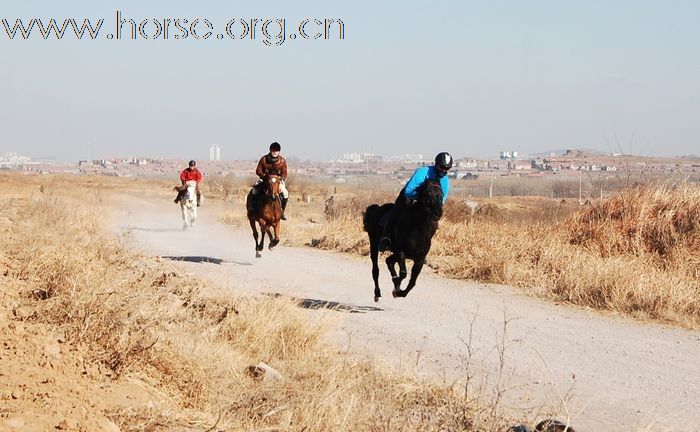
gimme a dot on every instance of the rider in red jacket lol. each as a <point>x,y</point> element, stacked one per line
<point>190,173</point>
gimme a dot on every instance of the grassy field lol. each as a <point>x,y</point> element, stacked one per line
<point>635,252</point>
<point>104,338</point>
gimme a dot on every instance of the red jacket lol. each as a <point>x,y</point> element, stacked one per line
<point>190,174</point>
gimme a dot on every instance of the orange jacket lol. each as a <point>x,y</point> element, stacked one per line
<point>266,166</point>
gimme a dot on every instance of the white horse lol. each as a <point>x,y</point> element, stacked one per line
<point>188,205</point>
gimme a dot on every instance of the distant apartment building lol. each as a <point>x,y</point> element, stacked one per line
<point>468,163</point>
<point>352,157</point>
<point>413,157</point>
<point>360,157</point>
<point>10,160</point>
<point>214,153</point>
<point>519,165</point>
<point>508,155</point>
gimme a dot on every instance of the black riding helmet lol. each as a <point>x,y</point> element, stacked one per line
<point>443,160</point>
<point>192,163</point>
<point>275,146</point>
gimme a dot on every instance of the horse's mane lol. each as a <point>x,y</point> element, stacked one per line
<point>430,198</point>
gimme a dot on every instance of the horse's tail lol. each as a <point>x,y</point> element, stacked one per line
<point>370,217</point>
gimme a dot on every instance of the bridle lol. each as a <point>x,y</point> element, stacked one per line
<point>269,181</point>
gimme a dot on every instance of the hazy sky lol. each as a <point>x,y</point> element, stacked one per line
<point>469,77</point>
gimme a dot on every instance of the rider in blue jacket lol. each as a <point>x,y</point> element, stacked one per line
<point>409,193</point>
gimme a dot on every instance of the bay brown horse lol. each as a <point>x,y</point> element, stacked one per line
<point>267,212</point>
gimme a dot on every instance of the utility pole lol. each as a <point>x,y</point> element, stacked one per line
<point>579,186</point>
<point>491,187</point>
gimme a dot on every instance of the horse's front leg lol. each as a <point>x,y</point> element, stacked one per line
<point>374,255</point>
<point>415,271</point>
<point>194,215</point>
<point>264,228</point>
<point>401,259</point>
<point>402,267</point>
<point>274,241</point>
<point>184,216</point>
<point>255,236</point>
<point>391,261</point>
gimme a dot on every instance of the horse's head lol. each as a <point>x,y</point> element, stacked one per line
<point>272,186</point>
<point>191,190</point>
<point>430,198</point>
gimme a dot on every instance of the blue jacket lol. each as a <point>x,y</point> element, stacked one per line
<point>420,176</point>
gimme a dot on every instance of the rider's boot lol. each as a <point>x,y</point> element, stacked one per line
<point>284,206</point>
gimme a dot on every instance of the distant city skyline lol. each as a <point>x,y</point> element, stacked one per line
<point>472,77</point>
<point>359,157</point>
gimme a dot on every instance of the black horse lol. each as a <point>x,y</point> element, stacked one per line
<point>411,239</point>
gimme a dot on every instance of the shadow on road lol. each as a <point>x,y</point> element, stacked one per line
<point>327,304</point>
<point>204,259</point>
<point>152,229</point>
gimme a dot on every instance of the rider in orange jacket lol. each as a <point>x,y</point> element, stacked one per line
<point>271,163</point>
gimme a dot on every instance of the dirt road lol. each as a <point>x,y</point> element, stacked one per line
<point>613,373</point>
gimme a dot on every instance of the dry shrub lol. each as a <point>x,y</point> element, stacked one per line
<point>272,328</point>
<point>457,211</point>
<point>336,236</point>
<point>489,211</point>
<point>299,186</point>
<point>227,187</point>
<point>658,220</point>
<point>634,253</point>
<point>349,205</point>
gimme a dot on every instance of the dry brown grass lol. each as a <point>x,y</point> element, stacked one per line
<point>190,345</point>
<point>636,252</point>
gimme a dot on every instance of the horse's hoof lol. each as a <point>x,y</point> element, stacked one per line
<point>257,254</point>
<point>395,293</point>
<point>376,298</point>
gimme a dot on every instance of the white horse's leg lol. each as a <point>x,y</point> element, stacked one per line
<point>184,215</point>
<point>194,214</point>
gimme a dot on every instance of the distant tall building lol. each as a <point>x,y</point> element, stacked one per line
<point>214,153</point>
<point>508,155</point>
